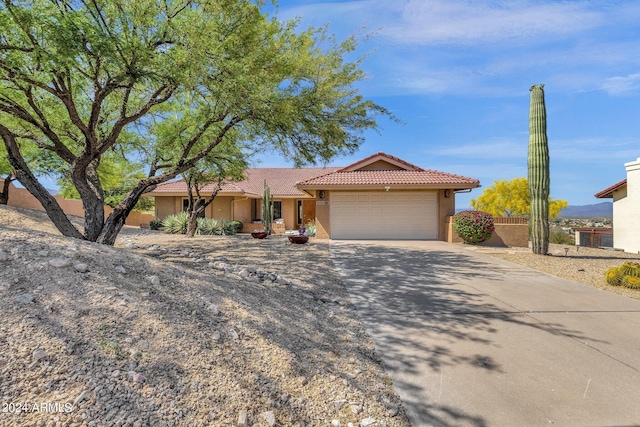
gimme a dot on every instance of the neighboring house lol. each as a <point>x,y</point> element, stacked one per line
<point>379,197</point>
<point>626,205</point>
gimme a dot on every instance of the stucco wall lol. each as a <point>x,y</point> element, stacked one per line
<point>446,208</point>
<point>509,232</point>
<point>323,226</point>
<point>165,206</point>
<point>21,198</point>
<point>626,205</point>
<point>380,165</point>
<point>289,207</point>
<point>220,208</point>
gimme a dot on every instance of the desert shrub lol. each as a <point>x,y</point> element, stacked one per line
<point>631,282</point>
<point>156,224</point>
<point>630,268</point>
<point>561,238</point>
<point>310,228</point>
<point>175,224</point>
<point>473,226</point>
<point>237,226</point>
<point>215,227</point>
<point>613,276</point>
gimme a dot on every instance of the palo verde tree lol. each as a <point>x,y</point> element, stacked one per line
<point>225,163</point>
<point>79,75</point>
<point>538,162</point>
<point>511,199</point>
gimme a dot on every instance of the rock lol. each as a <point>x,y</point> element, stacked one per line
<point>338,404</point>
<point>243,273</point>
<point>60,262</point>
<point>392,410</point>
<point>233,335</point>
<point>213,309</point>
<point>356,408</point>
<point>43,253</point>
<point>252,279</point>
<point>39,354</point>
<point>24,298</point>
<point>136,377</point>
<point>4,256</point>
<point>120,269</point>
<point>81,267</point>
<point>154,280</point>
<point>81,397</point>
<point>269,417</point>
<point>367,422</point>
<point>242,419</point>
<point>335,423</point>
<point>216,335</point>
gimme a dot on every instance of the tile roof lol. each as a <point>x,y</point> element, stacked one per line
<point>390,177</point>
<point>608,192</point>
<point>281,182</point>
<point>381,156</point>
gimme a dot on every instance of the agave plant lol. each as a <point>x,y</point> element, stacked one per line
<point>175,224</point>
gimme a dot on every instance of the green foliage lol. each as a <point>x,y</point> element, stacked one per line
<point>562,238</point>
<point>156,224</point>
<point>310,228</point>
<point>613,276</point>
<point>631,282</point>
<point>165,83</point>
<point>473,226</point>
<point>512,199</point>
<point>215,227</point>
<point>237,226</point>
<point>176,224</point>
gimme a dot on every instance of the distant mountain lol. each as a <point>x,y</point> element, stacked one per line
<point>598,209</point>
<point>586,211</point>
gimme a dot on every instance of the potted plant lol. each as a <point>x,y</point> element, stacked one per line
<point>299,238</point>
<point>259,234</point>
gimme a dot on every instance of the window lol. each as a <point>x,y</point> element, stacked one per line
<point>277,209</point>
<point>185,206</point>
<point>299,212</point>
<point>256,209</point>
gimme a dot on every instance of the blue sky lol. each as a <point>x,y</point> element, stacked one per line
<point>458,73</point>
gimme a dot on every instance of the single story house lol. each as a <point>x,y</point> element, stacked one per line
<point>379,197</point>
<point>626,205</point>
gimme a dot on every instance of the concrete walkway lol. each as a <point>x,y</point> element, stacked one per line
<point>470,340</point>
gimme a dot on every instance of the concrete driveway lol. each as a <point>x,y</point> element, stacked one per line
<point>470,340</point>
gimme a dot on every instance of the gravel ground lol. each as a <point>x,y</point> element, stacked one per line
<point>580,264</point>
<point>217,331</point>
<point>167,331</point>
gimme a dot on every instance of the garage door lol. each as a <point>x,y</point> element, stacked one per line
<point>384,215</point>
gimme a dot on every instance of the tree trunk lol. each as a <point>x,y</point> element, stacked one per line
<point>192,223</point>
<point>26,178</point>
<point>85,178</point>
<point>4,196</point>
<point>116,220</point>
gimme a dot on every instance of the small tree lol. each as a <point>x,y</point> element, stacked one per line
<point>223,165</point>
<point>77,77</point>
<point>511,199</point>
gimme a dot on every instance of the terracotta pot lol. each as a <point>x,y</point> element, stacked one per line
<point>299,239</point>
<point>258,234</point>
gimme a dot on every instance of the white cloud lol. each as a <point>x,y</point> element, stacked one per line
<point>620,85</point>
<point>472,21</point>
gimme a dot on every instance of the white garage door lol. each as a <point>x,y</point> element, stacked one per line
<point>384,215</point>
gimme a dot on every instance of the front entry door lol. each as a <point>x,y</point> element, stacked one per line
<point>308,211</point>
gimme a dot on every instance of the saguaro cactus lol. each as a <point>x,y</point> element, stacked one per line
<point>267,208</point>
<point>538,162</point>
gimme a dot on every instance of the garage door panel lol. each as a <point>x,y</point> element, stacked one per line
<point>382,215</point>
